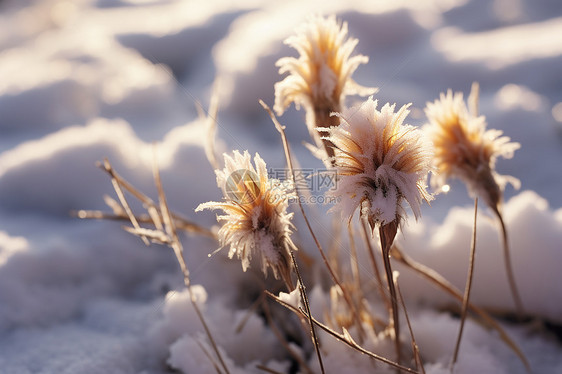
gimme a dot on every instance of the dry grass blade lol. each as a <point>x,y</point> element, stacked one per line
<point>176,245</point>
<point>387,234</point>
<point>444,284</point>
<point>345,337</point>
<point>280,337</point>
<point>211,359</point>
<point>153,218</point>
<point>211,125</point>
<point>473,99</point>
<point>117,187</point>
<point>371,252</point>
<point>415,348</point>
<point>509,267</point>
<point>156,236</point>
<point>468,287</point>
<point>333,275</point>
<point>302,290</point>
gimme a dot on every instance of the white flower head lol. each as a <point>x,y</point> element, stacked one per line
<point>380,163</point>
<point>256,221</point>
<point>464,149</point>
<point>321,76</point>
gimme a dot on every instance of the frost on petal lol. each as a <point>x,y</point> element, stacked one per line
<point>380,163</point>
<point>320,78</point>
<point>255,219</point>
<point>464,149</point>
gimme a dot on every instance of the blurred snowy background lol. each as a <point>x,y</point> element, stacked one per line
<point>81,80</point>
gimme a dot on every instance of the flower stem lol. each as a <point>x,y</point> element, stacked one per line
<point>387,234</point>
<point>468,287</point>
<point>509,268</point>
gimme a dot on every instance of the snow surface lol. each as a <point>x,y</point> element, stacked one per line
<point>83,80</point>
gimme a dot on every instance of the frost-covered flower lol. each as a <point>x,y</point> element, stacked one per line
<point>320,78</point>
<point>466,150</point>
<point>380,162</point>
<point>256,219</point>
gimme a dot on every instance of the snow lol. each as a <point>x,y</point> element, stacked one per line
<point>86,80</point>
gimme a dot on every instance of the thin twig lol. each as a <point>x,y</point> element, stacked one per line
<point>117,187</point>
<point>211,125</point>
<point>345,338</point>
<point>178,251</point>
<point>208,354</point>
<point>387,234</point>
<point>371,251</point>
<point>281,130</point>
<point>415,348</point>
<point>280,337</point>
<point>509,267</point>
<point>180,222</point>
<point>444,284</point>
<point>468,286</point>
<point>302,290</point>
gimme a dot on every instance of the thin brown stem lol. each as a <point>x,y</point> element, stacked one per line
<point>509,268</point>
<point>345,337</point>
<point>302,290</point>
<point>180,223</point>
<point>468,286</point>
<point>387,233</point>
<point>281,130</point>
<point>371,251</point>
<point>415,348</point>
<point>178,251</point>
<point>448,287</point>
<point>280,337</point>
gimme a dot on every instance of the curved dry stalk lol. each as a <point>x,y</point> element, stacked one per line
<point>468,286</point>
<point>415,348</point>
<point>509,267</point>
<point>371,251</point>
<point>180,222</point>
<point>211,126</point>
<point>345,337</point>
<point>119,191</point>
<point>215,365</point>
<point>387,234</point>
<point>302,291</point>
<point>448,287</point>
<point>280,337</point>
<point>165,232</point>
<point>178,251</point>
<point>281,130</point>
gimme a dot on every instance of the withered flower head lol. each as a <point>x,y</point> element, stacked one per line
<point>380,162</point>
<point>320,78</point>
<point>464,149</point>
<point>256,221</point>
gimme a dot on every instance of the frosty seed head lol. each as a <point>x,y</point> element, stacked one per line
<point>256,219</point>
<point>380,163</point>
<point>464,149</point>
<point>320,78</point>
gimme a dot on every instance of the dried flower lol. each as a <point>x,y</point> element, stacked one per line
<point>256,219</point>
<point>466,150</point>
<point>320,78</point>
<point>380,162</point>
